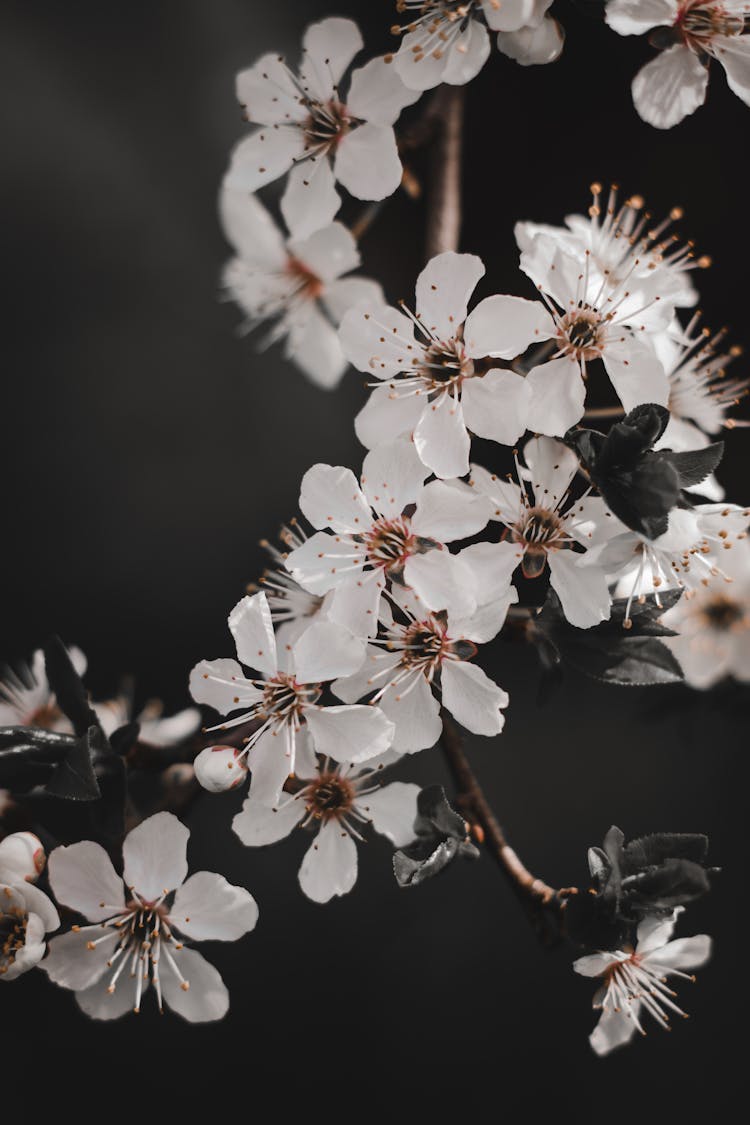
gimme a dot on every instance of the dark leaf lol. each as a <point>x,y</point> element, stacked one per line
<point>675,882</point>
<point>124,738</point>
<point>650,850</point>
<point>73,777</point>
<point>441,836</point>
<point>59,763</point>
<point>67,685</point>
<point>694,465</point>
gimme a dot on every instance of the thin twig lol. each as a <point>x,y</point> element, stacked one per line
<point>542,903</point>
<point>604,412</point>
<point>444,216</point>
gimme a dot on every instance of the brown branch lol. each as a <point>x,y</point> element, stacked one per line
<point>444,216</point>
<point>603,412</point>
<point>542,903</point>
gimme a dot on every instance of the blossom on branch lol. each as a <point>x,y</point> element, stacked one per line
<point>26,913</point>
<point>688,33</point>
<point>308,126</point>
<point>337,802</point>
<point>139,923</point>
<point>295,286</point>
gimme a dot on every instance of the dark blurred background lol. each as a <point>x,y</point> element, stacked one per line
<point>147,447</point>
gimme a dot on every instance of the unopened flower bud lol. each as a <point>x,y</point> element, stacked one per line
<point>22,858</point>
<point>219,768</point>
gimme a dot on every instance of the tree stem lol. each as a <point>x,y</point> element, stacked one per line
<point>604,412</point>
<point>444,216</point>
<point>542,903</point>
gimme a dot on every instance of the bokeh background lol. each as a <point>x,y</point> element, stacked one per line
<point>146,449</point>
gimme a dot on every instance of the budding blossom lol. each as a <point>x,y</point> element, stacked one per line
<point>713,625</point>
<point>448,41</point>
<point>338,801</point>
<point>421,656</point>
<point>285,703</point>
<point>139,923</point>
<point>308,126</point>
<point>370,538</point>
<point>26,914</point>
<point>635,980</point>
<point>436,365</point>
<point>545,527</point>
<point>296,286</point>
<point>689,33</point>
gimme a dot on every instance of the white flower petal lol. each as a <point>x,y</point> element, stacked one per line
<point>221,684</point>
<point>509,15</point>
<point>37,903</point>
<point>355,603</point>
<point>441,581</point>
<point>392,477</point>
<point>264,156</point>
<point>443,290</point>
<point>98,1003</point>
<point>310,199</point>
<point>634,17</point>
<point>378,340</point>
<point>504,495</point>
<point>155,856</point>
<point>350,689</point>
<point>496,406</point>
<point>268,94</point>
<point>331,497</point>
<point>251,230</point>
<point>583,591</point>
<point>504,327</point>
<point>252,628</point>
<point>473,698</point>
<point>392,810</point>
<point>328,252</point>
<point>468,54</point>
<point>419,71</point>
<point>377,94</point>
<point>614,1029</point>
<point>441,439</point>
<point>328,47</point>
<point>271,760</point>
<point>492,566</point>
<point>558,395</point>
<point>314,346</point>
<point>324,562</point>
<point>552,466</point>
<point>684,953</point>
<point>636,373</point>
<point>208,908</point>
<point>82,877</point>
<point>258,824</point>
<point>670,87</point>
<point>350,293</point>
<point>205,1000</point>
<point>487,620</point>
<point>350,733</point>
<point>385,416</point>
<point>71,964</point>
<point>533,46</point>
<point>415,711</point>
<point>329,867</point>
<point>367,162</point>
<point>325,651</point>
<point>446,512</point>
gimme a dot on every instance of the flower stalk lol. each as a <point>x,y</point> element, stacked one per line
<point>444,215</point>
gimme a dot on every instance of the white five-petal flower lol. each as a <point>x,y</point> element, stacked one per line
<point>26,699</point>
<point>139,923</point>
<point>26,914</point>
<point>635,980</point>
<point>690,33</point>
<point>369,538</point>
<point>437,368</point>
<point>285,701</point>
<point>339,801</point>
<point>549,529</point>
<point>308,126</point>
<point>296,286</point>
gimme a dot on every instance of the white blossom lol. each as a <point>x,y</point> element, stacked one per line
<point>26,913</point>
<point>296,286</point>
<point>448,40</point>
<point>713,624</point>
<point>691,33</point>
<point>309,126</point>
<point>156,729</point>
<point>338,802</point>
<point>285,703</point>
<point>26,698</point>
<point>139,924</point>
<point>422,655</point>
<point>439,378</point>
<point>634,981</point>
<point>369,538</point>
<point>546,528</point>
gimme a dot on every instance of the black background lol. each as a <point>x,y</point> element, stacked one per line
<point>147,448</point>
